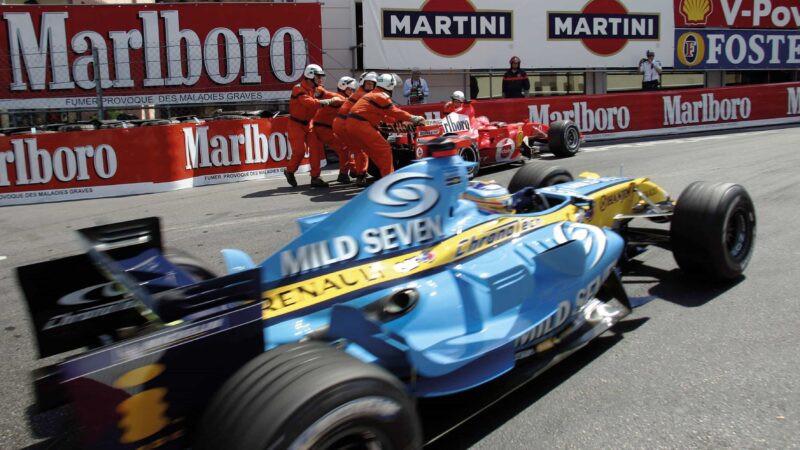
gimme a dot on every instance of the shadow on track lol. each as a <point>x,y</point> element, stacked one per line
<point>57,425</point>
<point>675,286</point>
<point>336,192</point>
<point>461,420</point>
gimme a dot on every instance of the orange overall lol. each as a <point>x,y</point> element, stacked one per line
<point>356,156</point>
<point>323,129</point>
<point>302,107</point>
<point>362,122</point>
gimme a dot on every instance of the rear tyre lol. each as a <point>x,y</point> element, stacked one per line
<point>538,175</point>
<point>309,395</point>
<point>713,230</point>
<point>196,268</point>
<point>470,154</point>
<point>564,138</point>
<point>373,170</point>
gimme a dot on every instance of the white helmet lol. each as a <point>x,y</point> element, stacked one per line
<point>386,81</point>
<point>367,76</point>
<point>458,96</point>
<point>313,70</point>
<point>346,82</point>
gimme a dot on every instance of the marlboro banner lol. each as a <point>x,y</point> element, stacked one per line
<point>45,167</point>
<point>614,116</point>
<point>36,168</point>
<point>154,54</point>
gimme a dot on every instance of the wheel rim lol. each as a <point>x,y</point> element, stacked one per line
<point>573,138</point>
<point>361,438</point>
<point>738,234</point>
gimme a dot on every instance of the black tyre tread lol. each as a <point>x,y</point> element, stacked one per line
<point>373,170</point>
<point>283,396</point>
<point>269,394</point>
<point>477,161</point>
<point>257,374</point>
<point>699,218</point>
<point>538,175</point>
<point>281,379</point>
<point>555,138</point>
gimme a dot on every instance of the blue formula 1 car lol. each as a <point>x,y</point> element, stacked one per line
<point>424,285</point>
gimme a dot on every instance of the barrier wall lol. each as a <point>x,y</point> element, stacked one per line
<point>36,168</point>
<point>641,114</point>
<point>46,167</point>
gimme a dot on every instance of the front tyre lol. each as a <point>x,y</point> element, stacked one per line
<point>564,138</point>
<point>537,175</point>
<point>713,230</point>
<point>309,396</point>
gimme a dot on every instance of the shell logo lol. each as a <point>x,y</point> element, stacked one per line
<point>696,12</point>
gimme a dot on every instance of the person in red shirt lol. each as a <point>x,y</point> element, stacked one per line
<point>322,125</point>
<point>374,108</point>
<point>356,156</point>
<point>459,105</point>
<point>303,105</point>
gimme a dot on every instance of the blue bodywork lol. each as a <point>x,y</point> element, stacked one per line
<point>443,283</point>
<point>475,313</point>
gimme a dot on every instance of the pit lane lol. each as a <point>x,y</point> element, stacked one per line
<point>700,366</point>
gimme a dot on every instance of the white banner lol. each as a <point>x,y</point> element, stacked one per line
<point>484,34</point>
<point>132,101</point>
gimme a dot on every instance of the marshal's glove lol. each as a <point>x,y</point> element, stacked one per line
<point>417,120</point>
<point>330,101</point>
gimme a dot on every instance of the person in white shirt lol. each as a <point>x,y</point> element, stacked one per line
<point>651,69</point>
<point>415,89</point>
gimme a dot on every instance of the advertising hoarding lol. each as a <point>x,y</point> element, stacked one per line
<point>484,34</point>
<point>737,14</point>
<point>735,49</point>
<point>638,114</point>
<point>46,167</point>
<point>154,54</point>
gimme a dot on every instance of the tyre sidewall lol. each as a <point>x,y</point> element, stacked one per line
<point>366,404</point>
<point>699,229</point>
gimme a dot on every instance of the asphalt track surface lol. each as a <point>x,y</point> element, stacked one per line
<point>699,366</point>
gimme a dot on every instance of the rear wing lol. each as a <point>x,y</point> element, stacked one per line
<point>121,284</point>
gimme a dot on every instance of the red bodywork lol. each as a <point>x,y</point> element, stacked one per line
<point>495,142</point>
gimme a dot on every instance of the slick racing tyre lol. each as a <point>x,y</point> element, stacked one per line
<point>538,175</point>
<point>373,170</point>
<point>309,396</point>
<point>713,230</point>
<point>197,269</point>
<point>564,138</point>
<point>470,154</point>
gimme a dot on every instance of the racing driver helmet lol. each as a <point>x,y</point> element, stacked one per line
<point>490,197</point>
<point>458,96</point>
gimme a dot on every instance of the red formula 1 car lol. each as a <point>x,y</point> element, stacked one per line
<point>482,141</point>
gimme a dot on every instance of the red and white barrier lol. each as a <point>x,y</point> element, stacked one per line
<point>37,168</point>
<point>639,114</point>
<point>46,167</point>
